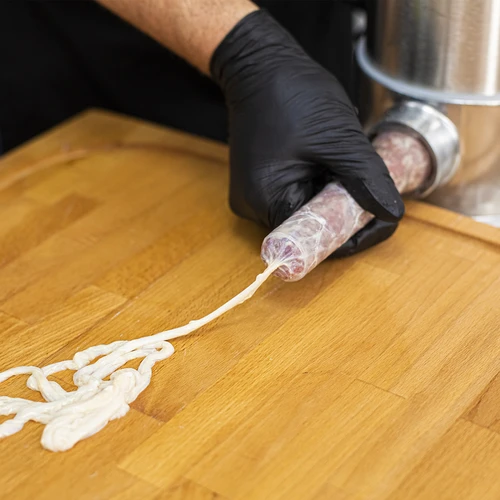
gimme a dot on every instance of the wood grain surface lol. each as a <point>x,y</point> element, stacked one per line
<point>375,377</point>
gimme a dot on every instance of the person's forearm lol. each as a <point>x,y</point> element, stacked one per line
<point>191,28</point>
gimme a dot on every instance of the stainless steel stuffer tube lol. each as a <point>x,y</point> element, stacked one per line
<point>444,55</point>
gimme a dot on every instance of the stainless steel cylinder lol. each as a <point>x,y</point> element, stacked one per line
<point>452,46</point>
<point>446,54</point>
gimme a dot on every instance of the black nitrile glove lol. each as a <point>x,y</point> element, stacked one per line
<point>292,129</point>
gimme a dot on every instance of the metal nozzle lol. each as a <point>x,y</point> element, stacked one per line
<point>436,131</point>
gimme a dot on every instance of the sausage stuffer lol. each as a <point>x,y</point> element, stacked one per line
<point>432,67</point>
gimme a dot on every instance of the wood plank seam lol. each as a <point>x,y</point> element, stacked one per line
<point>116,230</point>
<point>166,493</point>
<point>359,379</point>
<point>472,422</point>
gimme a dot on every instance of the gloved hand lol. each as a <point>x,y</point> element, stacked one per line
<point>292,129</point>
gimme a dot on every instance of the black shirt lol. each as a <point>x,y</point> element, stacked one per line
<point>61,57</point>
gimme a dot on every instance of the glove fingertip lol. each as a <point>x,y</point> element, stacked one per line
<point>377,231</point>
<point>346,250</point>
<point>381,199</point>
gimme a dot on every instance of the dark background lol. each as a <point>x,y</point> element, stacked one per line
<point>59,57</point>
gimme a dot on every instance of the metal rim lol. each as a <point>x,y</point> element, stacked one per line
<point>436,131</point>
<point>416,91</point>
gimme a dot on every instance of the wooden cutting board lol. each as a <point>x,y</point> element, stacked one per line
<point>374,377</point>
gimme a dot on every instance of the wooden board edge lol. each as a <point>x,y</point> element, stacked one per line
<point>452,221</point>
